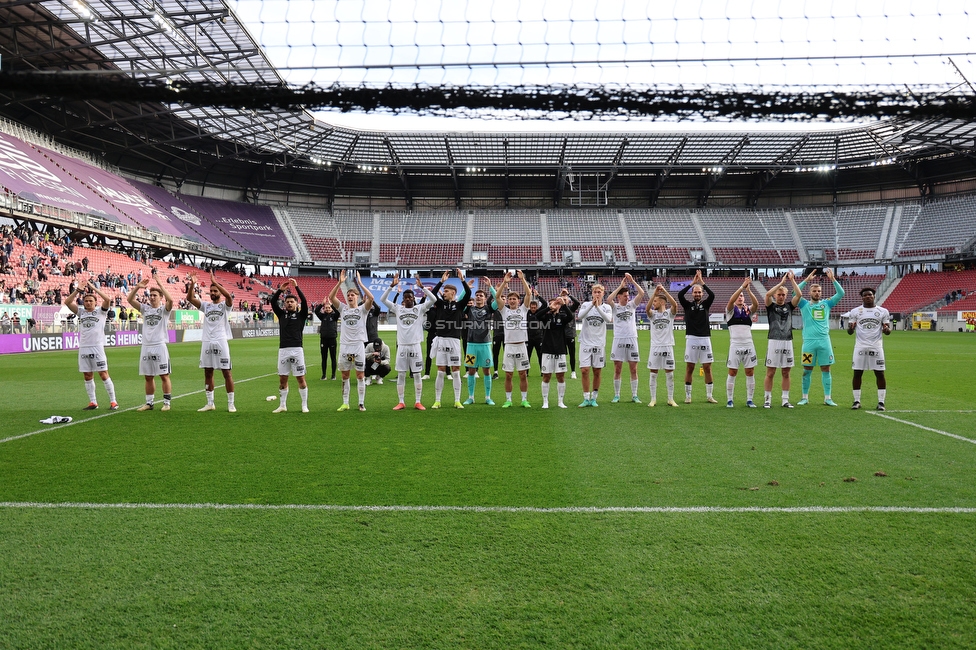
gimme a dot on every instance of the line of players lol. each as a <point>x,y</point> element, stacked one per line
<point>450,315</point>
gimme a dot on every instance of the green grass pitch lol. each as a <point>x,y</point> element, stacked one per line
<point>619,526</point>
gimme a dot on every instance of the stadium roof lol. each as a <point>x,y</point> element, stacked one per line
<point>284,154</point>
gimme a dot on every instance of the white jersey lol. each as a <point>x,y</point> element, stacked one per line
<point>154,323</point>
<point>216,325</point>
<point>410,322</point>
<point>867,325</point>
<point>739,334</point>
<point>91,328</point>
<point>516,324</point>
<point>593,332</point>
<point>625,321</point>
<point>353,328</point>
<point>662,328</point>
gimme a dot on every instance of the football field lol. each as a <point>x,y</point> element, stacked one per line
<point>616,526</point>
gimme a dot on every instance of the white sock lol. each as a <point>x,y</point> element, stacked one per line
<point>210,399</point>
<point>345,391</point>
<point>560,390</point>
<point>669,380</point>
<point>616,387</point>
<point>90,389</point>
<point>525,395</point>
<point>545,393</point>
<point>303,393</point>
<point>586,395</point>
<point>750,387</point>
<point>634,384</point>
<point>768,396</point>
<point>729,387</point>
<point>150,399</point>
<point>652,383</point>
<point>709,389</point>
<point>284,397</point>
<point>594,394</point>
<point>857,395</point>
<point>361,390</point>
<point>882,392</point>
<point>688,391</point>
<point>401,385</point>
<point>110,389</point>
<point>508,396</point>
<point>418,388</point>
<point>456,374</point>
<point>439,385</point>
<point>230,399</point>
<point>786,396</point>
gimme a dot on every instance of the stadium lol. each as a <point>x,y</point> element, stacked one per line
<point>579,144</point>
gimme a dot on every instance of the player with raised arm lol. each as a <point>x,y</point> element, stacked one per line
<point>91,343</point>
<point>594,315</point>
<point>215,351</point>
<point>553,319</point>
<point>698,334</point>
<point>154,356</point>
<point>515,316</point>
<point>409,317</point>
<point>869,323</point>
<point>624,344</point>
<point>478,352</point>
<point>817,350</point>
<point>661,314</point>
<point>352,337</point>
<point>779,351</point>
<point>742,350</point>
<point>446,316</point>
<point>291,350</point>
<point>574,306</point>
<point>328,335</point>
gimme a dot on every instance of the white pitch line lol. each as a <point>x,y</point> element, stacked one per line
<point>105,415</point>
<point>924,428</point>
<point>927,410</point>
<point>585,510</point>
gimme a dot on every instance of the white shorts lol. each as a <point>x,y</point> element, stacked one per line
<point>215,354</point>
<point>553,363</point>
<point>625,350</point>
<point>92,360</point>
<point>779,354</point>
<point>592,357</point>
<point>154,361</point>
<point>446,352</point>
<point>409,358</point>
<point>291,361</point>
<point>661,358</point>
<point>742,354</point>
<point>352,357</point>
<point>516,358</point>
<point>868,358</point>
<point>698,349</point>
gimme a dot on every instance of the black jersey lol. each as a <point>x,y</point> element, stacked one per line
<point>570,331</point>
<point>446,316</point>
<point>553,328</point>
<point>696,313</point>
<point>328,329</point>
<point>291,323</point>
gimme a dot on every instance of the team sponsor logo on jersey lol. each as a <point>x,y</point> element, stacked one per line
<point>152,320</point>
<point>215,316</point>
<point>408,318</point>
<point>595,321</point>
<point>469,359</point>
<point>807,358</point>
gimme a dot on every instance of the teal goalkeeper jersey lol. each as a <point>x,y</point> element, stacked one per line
<point>816,315</point>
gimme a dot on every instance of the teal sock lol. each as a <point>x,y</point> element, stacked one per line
<point>488,386</point>
<point>828,381</point>
<point>807,379</point>
<point>472,380</point>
